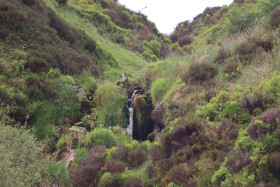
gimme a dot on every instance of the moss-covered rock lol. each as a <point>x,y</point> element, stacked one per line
<point>143,124</point>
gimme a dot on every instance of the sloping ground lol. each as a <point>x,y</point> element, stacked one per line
<point>129,62</point>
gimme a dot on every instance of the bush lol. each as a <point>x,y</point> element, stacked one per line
<point>80,154</point>
<point>159,88</point>
<point>185,41</point>
<point>87,173</point>
<point>57,173</point>
<point>67,80</point>
<point>246,51</point>
<point>153,46</point>
<point>178,174</point>
<point>134,182</point>
<point>199,73</point>
<point>61,2</point>
<point>101,136</point>
<point>264,123</point>
<point>88,84</point>
<point>111,102</point>
<point>237,160</point>
<point>222,55</point>
<point>275,17</point>
<point>20,157</point>
<point>115,166</point>
<point>112,180</point>
<point>236,113</point>
<point>67,102</point>
<point>64,141</point>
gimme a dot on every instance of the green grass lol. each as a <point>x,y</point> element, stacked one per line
<point>129,62</point>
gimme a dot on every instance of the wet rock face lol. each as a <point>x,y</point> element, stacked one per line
<point>143,124</point>
<point>157,115</point>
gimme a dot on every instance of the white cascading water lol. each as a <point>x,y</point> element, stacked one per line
<point>130,108</point>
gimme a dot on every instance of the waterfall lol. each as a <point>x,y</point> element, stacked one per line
<point>129,128</point>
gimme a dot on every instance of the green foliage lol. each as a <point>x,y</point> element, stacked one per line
<point>80,154</point>
<point>64,141</point>
<point>19,158</point>
<point>111,103</point>
<point>57,173</point>
<point>268,5</point>
<point>67,80</point>
<point>236,113</point>
<point>159,88</point>
<point>245,143</point>
<point>221,174</point>
<point>99,136</point>
<point>67,105</point>
<point>271,142</point>
<point>206,180</point>
<point>151,50</point>
<point>199,73</point>
<point>108,179</point>
<point>88,83</point>
<point>238,18</point>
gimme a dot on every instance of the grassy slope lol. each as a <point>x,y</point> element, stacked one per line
<point>129,62</point>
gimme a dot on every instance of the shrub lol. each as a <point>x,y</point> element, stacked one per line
<point>108,179</point>
<point>178,174</point>
<point>64,141</point>
<point>239,19</point>
<point>88,84</point>
<point>185,41</point>
<point>268,5</point>
<point>274,163</point>
<point>133,157</point>
<point>222,55</point>
<point>115,166</point>
<point>153,46</point>
<point>232,70</point>
<point>257,101</point>
<point>101,136</point>
<point>67,102</point>
<point>246,51</point>
<point>67,80</point>
<point>199,72</point>
<point>80,154</point>
<point>87,173</point>
<point>111,103</point>
<point>264,123</point>
<point>275,17</point>
<point>188,133</point>
<point>159,89</point>
<point>220,174</point>
<point>236,113</point>
<point>237,160</point>
<point>57,173</point>
<point>134,182</point>
<point>19,158</point>
<point>61,2</point>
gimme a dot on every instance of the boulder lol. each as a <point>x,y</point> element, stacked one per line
<point>81,94</point>
<point>142,124</point>
<point>76,131</point>
<point>157,115</point>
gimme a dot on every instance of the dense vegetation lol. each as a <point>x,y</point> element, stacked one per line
<point>206,113</point>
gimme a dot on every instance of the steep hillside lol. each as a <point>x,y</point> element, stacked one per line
<point>83,103</point>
